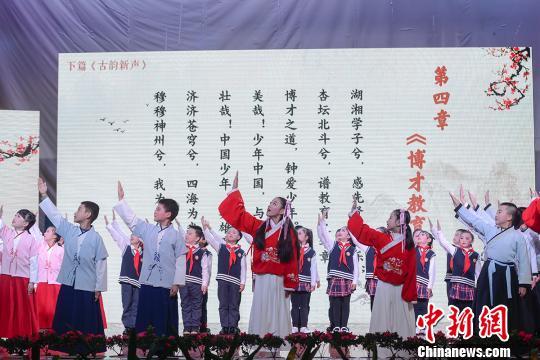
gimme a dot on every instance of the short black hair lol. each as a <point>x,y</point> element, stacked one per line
<point>171,206</point>
<point>514,212</point>
<point>198,230</point>
<point>93,208</point>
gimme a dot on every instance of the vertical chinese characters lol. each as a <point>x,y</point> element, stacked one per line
<point>160,125</point>
<point>192,196</point>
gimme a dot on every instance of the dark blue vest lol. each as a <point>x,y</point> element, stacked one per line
<point>337,269</point>
<point>448,268</point>
<point>459,264</point>
<point>370,262</point>
<point>422,273</point>
<point>128,274</point>
<point>304,274</point>
<point>232,275</point>
<point>195,276</point>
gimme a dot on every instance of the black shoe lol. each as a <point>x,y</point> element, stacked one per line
<point>224,331</point>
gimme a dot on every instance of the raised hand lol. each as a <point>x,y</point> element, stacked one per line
<point>354,207</point>
<point>461,194</point>
<point>322,216</point>
<point>1,210</point>
<point>486,197</point>
<point>205,223</point>
<point>430,223</point>
<point>455,200</point>
<point>42,187</point>
<point>120,191</point>
<point>106,220</point>
<point>177,223</point>
<point>438,225</point>
<point>235,181</point>
<point>472,198</point>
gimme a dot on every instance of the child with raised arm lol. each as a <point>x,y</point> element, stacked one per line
<point>275,260</point>
<point>231,275</point>
<point>342,273</point>
<point>50,257</point>
<point>164,268</point>
<point>131,248</point>
<point>203,244</point>
<point>19,252</point>
<point>395,269</point>
<point>465,266</point>
<point>83,273</point>
<point>501,281</point>
<point>448,275</point>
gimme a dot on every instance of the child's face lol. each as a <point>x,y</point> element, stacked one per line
<point>232,236</point>
<point>135,241</point>
<point>191,237</point>
<point>302,236</point>
<point>392,222</point>
<point>423,238</point>
<point>416,236</point>
<point>465,240</point>
<point>161,214</point>
<point>82,214</point>
<point>503,215</point>
<point>456,238</point>
<point>18,222</point>
<point>274,208</point>
<point>343,234</point>
<point>50,234</point>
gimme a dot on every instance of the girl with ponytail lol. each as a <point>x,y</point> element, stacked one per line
<point>275,260</point>
<point>393,309</point>
<point>18,252</point>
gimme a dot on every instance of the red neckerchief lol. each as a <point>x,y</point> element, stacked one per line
<point>343,248</point>
<point>302,253</point>
<point>189,256</point>
<point>232,254</point>
<point>137,260</point>
<point>423,253</point>
<point>466,253</point>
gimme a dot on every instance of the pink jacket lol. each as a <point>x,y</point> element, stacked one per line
<point>17,251</point>
<point>49,262</point>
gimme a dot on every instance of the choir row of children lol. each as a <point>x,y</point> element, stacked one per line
<point>54,279</point>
